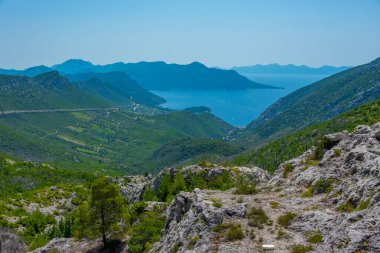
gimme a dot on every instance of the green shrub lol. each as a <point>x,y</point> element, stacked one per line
<point>274,204</point>
<point>192,242</point>
<point>179,184</point>
<point>35,224</point>
<point>281,234</point>
<point>165,188</point>
<point>240,199</point>
<point>301,249</point>
<point>137,209</point>
<point>145,232</point>
<point>319,148</point>
<point>364,204</point>
<point>235,233</point>
<point>230,231</point>
<point>337,152</point>
<point>346,207</point>
<point>149,195</point>
<point>308,193</point>
<point>286,219</point>
<point>245,186</point>
<point>257,217</point>
<point>222,181</point>
<point>216,203</point>
<point>39,240</point>
<point>64,228</point>
<point>315,236</point>
<point>288,168</point>
<point>322,186</point>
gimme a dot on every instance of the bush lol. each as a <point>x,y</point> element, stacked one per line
<point>286,219</point>
<point>216,203</point>
<point>274,204</point>
<point>235,233</point>
<point>231,231</point>
<point>322,186</point>
<point>222,181</point>
<point>165,188</point>
<point>149,195</point>
<point>314,237</point>
<point>346,207</point>
<point>281,234</point>
<point>288,168</point>
<point>35,224</point>
<point>245,186</point>
<point>137,210</point>
<point>257,217</point>
<point>240,199</point>
<point>337,152</point>
<point>145,232</point>
<point>308,193</point>
<point>363,205</point>
<point>301,248</point>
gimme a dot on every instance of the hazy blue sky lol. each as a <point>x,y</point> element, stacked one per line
<point>215,32</point>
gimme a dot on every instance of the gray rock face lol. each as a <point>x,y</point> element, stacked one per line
<point>133,187</point>
<point>190,220</point>
<point>10,242</point>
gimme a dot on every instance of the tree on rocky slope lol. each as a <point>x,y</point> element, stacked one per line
<point>103,212</point>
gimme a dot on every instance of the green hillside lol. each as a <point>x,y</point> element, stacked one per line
<point>90,140</point>
<point>115,87</point>
<point>191,150</point>
<point>45,91</point>
<point>316,103</point>
<point>271,155</point>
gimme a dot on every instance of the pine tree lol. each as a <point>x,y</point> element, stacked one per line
<point>164,190</point>
<point>179,183</point>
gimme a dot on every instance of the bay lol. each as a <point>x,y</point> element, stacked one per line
<point>238,107</point>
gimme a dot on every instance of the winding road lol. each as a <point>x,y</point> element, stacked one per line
<point>55,110</point>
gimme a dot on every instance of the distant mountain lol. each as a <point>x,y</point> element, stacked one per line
<point>33,71</point>
<point>163,76</point>
<point>115,87</point>
<point>73,66</point>
<point>290,69</point>
<point>316,103</point>
<point>46,91</point>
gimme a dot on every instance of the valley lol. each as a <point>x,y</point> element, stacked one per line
<point>189,126</point>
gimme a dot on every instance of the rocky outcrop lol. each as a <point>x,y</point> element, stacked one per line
<point>338,196</point>
<point>10,242</point>
<point>70,245</point>
<point>254,174</point>
<point>190,220</point>
<point>133,187</point>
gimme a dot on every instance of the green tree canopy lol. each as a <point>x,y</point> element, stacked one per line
<point>105,208</point>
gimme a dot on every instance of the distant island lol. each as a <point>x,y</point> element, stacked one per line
<point>290,69</point>
<point>156,75</point>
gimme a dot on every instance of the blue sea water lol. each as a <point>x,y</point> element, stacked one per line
<point>238,107</point>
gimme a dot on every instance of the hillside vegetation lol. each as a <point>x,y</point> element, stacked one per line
<point>271,155</point>
<point>116,87</point>
<point>316,103</point>
<point>114,140</point>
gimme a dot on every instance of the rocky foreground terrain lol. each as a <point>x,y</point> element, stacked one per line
<point>329,204</point>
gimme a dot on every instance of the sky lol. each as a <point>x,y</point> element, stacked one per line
<point>221,33</point>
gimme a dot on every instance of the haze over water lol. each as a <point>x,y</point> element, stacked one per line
<point>238,107</point>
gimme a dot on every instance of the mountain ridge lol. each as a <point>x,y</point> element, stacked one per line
<point>317,102</point>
